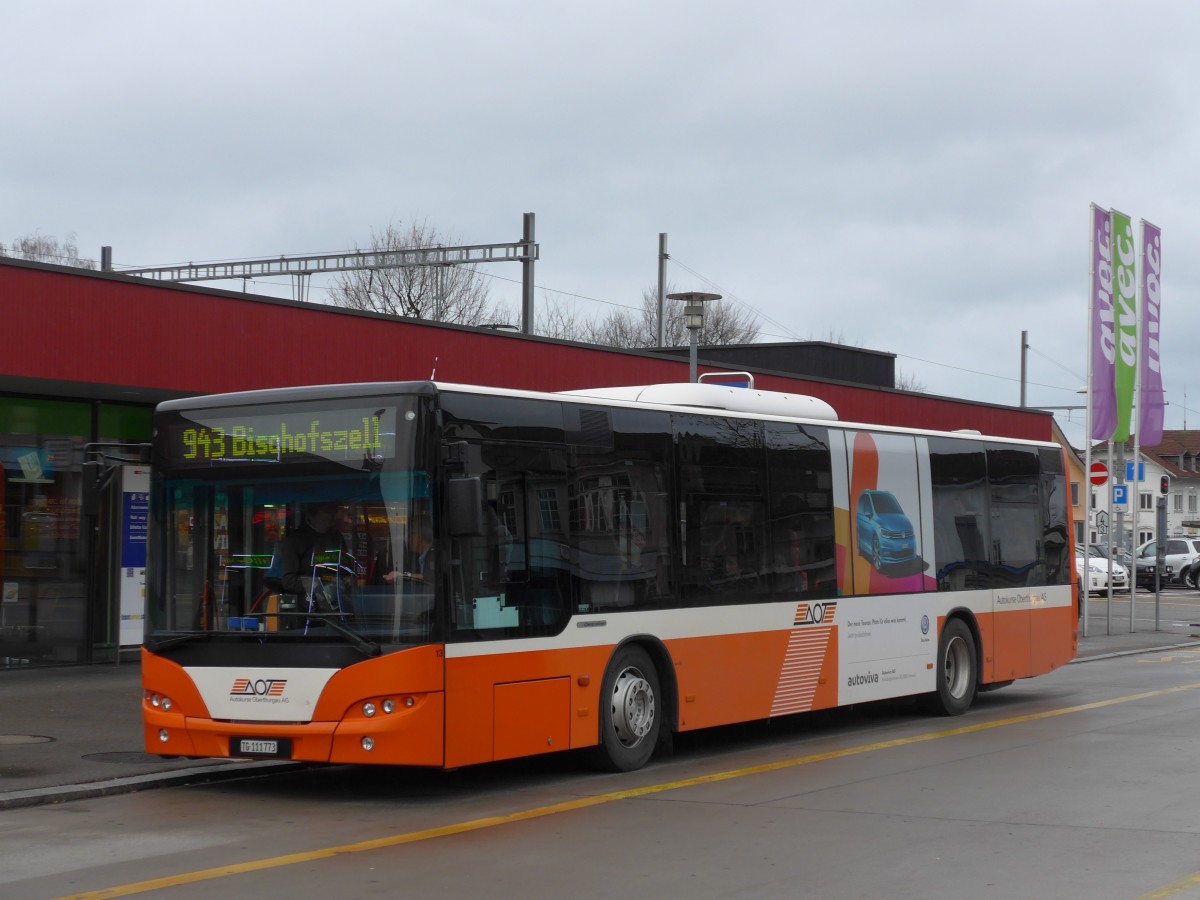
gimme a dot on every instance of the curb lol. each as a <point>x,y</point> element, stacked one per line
<point>1116,653</point>
<point>132,783</point>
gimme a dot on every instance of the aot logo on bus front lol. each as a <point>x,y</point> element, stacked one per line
<point>258,687</point>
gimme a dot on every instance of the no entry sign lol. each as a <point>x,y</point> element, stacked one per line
<point>1099,473</point>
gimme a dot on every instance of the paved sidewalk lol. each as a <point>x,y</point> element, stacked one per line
<point>72,733</point>
<point>76,732</point>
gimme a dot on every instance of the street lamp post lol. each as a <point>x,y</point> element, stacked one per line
<point>693,312</point>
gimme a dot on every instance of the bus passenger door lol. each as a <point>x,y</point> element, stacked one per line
<point>1017,572</point>
<point>508,583</point>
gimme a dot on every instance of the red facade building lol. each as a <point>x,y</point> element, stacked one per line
<point>88,354</point>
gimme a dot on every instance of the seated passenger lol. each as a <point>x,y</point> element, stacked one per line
<point>418,563</point>
<point>298,549</point>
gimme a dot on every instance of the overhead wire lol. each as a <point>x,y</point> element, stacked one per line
<point>788,333</point>
<point>725,292</point>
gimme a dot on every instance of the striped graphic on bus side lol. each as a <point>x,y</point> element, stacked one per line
<point>807,646</point>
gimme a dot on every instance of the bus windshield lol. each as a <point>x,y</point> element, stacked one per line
<point>290,523</point>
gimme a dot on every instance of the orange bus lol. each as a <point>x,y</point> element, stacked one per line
<point>430,574</point>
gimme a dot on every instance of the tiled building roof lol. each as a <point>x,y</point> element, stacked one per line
<point>1178,453</point>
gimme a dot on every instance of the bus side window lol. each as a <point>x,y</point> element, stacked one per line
<point>620,516</point>
<point>803,541</point>
<point>723,493</point>
<point>510,579</point>
<point>962,525</point>
<point>1016,516</point>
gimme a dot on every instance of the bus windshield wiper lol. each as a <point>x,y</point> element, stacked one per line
<point>163,643</point>
<point>368,648</point>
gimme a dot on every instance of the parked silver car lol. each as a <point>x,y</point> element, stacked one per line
<point>1181,553</point>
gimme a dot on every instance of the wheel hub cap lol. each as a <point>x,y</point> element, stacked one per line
<point>632,707</point>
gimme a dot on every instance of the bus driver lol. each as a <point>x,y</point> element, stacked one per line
<point>298,550</point>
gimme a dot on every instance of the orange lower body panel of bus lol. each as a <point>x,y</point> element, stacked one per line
<point>404,728</point>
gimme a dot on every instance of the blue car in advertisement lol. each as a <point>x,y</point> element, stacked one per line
<point>885,533</point>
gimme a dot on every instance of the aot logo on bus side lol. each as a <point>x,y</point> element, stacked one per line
<point>815,613</point>
<point>258,687</point>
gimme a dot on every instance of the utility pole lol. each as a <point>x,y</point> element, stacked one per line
<point>527,275</point>
<point>662,288</point>
<point>1024,347</point>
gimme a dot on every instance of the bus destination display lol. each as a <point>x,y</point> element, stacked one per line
<point>227,437</point>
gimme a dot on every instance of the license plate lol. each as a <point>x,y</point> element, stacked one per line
<point>260,747</point>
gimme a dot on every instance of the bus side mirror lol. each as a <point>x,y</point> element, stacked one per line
<point>464,498</point>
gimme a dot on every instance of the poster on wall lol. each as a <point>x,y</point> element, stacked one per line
<point>135,521</point>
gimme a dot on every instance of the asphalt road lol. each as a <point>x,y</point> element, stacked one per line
<point>1173,611</point>
<point>1082,783</point>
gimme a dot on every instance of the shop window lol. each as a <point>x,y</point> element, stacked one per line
<point>117,423</point>
<point>43,613</point>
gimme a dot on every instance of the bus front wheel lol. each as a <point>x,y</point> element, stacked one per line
<point>957,677</point>
<point>630,711</point>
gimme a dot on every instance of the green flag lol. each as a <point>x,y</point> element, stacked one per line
<point>1125,309</point>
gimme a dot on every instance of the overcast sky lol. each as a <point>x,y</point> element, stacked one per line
<point>910,177</point>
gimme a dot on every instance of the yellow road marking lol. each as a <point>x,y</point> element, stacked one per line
<point>275,862</point>
<point>1174,889</point>
<point>1172,657</point>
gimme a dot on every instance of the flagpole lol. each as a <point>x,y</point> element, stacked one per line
<point>1136,418</point>
<point>1087,426</point>
<point>1111,516</point>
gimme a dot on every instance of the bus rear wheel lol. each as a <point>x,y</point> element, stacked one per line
<point>630,711</point>
<point>958,674</point>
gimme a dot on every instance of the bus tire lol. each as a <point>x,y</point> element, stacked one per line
<point>630,711</point>
<point>958,673</point>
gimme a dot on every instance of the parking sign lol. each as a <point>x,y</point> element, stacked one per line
<point>1120,495</point>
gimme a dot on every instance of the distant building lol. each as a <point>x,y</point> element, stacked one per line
<point>1178,457</point>
<point>807,359</point>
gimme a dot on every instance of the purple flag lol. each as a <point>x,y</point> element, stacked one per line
<point>1103,355</point>
<point>1150,399</point>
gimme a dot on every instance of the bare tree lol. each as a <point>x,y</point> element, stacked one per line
<point>43,248</point>
<point>724,323</point>
<point>625,329</point>
<point>556,320</point>
<point>835,337</point>
<point>441,293</point>
<point>907,381</point>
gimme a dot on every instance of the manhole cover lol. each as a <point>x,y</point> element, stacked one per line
<point>125,757</point>
<point>7,739</point>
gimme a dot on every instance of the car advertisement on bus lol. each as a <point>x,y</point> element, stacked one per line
<point>886,518</point>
